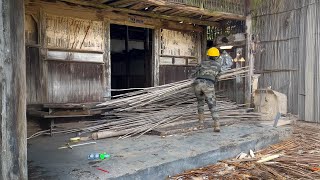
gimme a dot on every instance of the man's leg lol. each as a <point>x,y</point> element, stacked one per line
<point>201,99</point>
<point>212,104</point>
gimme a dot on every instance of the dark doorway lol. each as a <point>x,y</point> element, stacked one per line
<point>131,55</point>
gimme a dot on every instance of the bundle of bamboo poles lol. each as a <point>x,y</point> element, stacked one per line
<point>151,95</point>
<point>136,113</point>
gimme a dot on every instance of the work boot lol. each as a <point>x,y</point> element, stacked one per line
<point>216,126</point>
<point>201,118</point>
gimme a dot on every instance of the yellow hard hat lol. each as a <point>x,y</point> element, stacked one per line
<point>213,52</point>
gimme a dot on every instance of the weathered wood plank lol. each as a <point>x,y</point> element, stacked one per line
<point>128,5</point>
<point>203,50</point>
<point>250,62</point>
<point>180,26</point>
<point>69,11</point>
<point>120,2</point>
<point>13,131</point>
<point>34,91</point>
<point>156,57</point>
<point>75,56</point>
<point>177,43</point>
<point>43,54</point>
<point>173,73</point>
<point>138,6</point>
<point>75,82</point>
<point>69,105</point>
<point>73,33</point>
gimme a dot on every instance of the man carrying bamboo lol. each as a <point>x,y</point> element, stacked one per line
<point>206,75</point>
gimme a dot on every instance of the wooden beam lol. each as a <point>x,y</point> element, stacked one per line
<point>130,4</point>
<point>250,62</point>
<point>119,2</point>
<point>132,20</point>
<point>180,27</point>
<point>156,57</point>
<point>103,1</point>
<point>126,42</point>
<point>43,56</point>
<point>107,60</point>
<point>204,41</point>
<point>138,6</point>
<point>13,130</point>
<point>147,58</point>
<point>148,14</point>
<point>197,10</point>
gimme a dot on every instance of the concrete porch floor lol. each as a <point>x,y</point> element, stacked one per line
<point>149,157</point>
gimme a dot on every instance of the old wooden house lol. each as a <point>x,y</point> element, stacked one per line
<point>78,51</point>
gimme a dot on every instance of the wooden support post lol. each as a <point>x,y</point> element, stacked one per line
<point>43,56</point>
<point>147,59</point>
<point>107,60</point>
<point>250,58</point>
<point>127,57</point>
<point>156,57</point>
<point>13,132</point>
<point>51,127</point>
<point>204,44</point>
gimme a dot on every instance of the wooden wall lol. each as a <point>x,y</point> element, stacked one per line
<point>34,87</point>
<point>33,61</point>
<point>73,33</point>
<point>180,51</point>
<point>233,89</point>
<point>172,73</point>
<point>74,82</point>
<point>74,59</point>
<point>65,61</point>
<point>69,60</point>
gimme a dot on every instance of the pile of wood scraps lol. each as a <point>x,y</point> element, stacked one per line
<point>297,158</point>
<point>153,109</point>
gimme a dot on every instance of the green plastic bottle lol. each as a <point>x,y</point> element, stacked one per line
<point>104,155</point>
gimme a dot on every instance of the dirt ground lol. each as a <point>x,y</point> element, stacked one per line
<point>296,158</point>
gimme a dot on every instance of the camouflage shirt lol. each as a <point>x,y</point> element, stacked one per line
<point>208,69</point>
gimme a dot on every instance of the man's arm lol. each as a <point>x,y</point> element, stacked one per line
<point>195,71</point>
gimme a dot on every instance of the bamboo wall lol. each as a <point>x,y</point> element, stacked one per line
<point>287,52</point>
<point>310,58</point>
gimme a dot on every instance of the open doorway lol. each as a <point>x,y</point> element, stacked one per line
<point>131,55</point>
